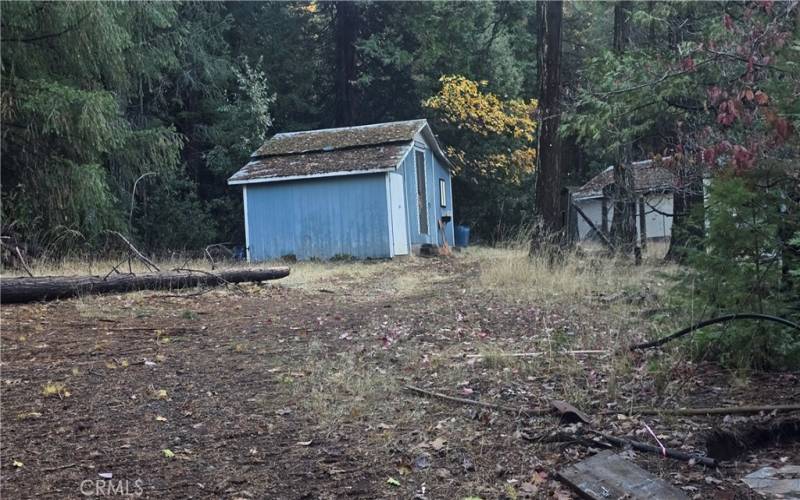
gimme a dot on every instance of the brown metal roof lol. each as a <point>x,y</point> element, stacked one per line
<point>647,177</point>
<point>321,163</point>
<point>335,151</point>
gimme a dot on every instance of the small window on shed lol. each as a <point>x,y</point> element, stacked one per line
<point>442,193</point>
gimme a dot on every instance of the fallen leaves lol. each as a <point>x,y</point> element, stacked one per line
<point>438,444</point>
<point>454,449</point>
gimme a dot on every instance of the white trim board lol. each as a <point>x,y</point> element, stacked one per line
<point>389,214</point>
<point>315,176</point>
<point>246,225</point>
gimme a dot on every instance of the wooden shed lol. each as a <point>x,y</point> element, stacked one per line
<point>372,191</point>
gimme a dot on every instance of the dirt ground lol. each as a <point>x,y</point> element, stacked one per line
<point>295,388</point>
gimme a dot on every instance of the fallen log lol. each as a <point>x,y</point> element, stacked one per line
<point>18,290</point>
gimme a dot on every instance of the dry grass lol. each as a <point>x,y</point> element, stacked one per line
<point>318,274</point>
<point>344,387</point>
<point>304,274</point>
<point>52,389</point>
<point>607,296</point>
<point>572,279</point>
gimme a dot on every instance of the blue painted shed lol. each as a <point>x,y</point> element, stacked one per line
<point>372,191</point>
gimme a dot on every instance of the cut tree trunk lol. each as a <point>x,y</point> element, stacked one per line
<point>17,290</point>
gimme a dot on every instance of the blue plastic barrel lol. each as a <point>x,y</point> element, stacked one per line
<point>462,236</point>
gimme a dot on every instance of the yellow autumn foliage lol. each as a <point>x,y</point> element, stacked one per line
<point>462,103</point>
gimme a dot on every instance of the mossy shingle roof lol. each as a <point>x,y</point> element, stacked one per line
<point>647,177</point>
<point>334,151</point>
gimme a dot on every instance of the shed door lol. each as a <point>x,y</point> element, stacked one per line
<point>422,192</point>
<point>398,203</point>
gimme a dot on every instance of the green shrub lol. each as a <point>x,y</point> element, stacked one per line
<point>744,264</point>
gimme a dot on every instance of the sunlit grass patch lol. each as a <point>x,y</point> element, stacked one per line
<point>572,277</point>
<point>28,415</point>
<point>344,388</point>
<point>319,274</point>
<point>55,389</point>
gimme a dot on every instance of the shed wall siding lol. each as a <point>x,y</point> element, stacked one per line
<point>658,226</point>
<point>319,218</point>
<point>408,169</point>
<point>440,172</point>
<point>434,171</point>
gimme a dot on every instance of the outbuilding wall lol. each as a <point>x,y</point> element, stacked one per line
<point>434,171</point>
<point>592,207</point>
<point>318,218</point>
<point>440,172</point>
<point>657,224</point>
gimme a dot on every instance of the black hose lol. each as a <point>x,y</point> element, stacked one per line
<point>713,321</point>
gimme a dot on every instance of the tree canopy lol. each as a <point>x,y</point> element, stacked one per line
<point>97,96</point>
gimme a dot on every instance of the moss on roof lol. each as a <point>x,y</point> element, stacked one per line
<point>336,151</point>
<point>339,138</point>
<point>381,157</point>
<point>647,177</point>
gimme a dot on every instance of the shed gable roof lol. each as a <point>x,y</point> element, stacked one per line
<point>331,139</point>
<point>335,151</point>
<point>647,177</point>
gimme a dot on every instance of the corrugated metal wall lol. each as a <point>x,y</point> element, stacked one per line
<point>319,218</point>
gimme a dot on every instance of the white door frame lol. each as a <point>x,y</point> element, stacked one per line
<point>398,224</point>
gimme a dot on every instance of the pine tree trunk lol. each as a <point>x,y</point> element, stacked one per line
<point>623,225</point>
<point>548,179</point>
<point>573,160</point>
<point>622,31</point>
<point>686,231</point>
<point>345,36</point>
